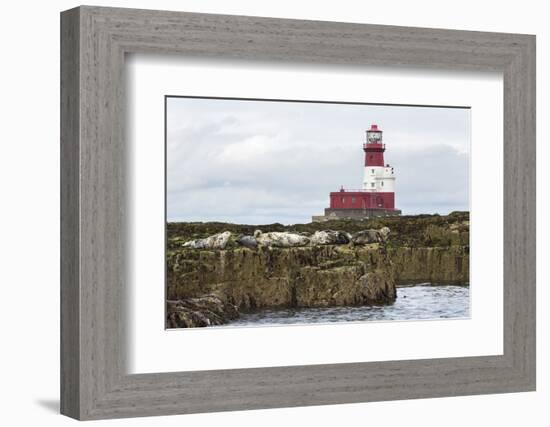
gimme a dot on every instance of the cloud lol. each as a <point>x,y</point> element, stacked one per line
<point>262,162</point>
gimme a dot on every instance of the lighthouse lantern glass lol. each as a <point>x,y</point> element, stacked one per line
<point>374,137</point>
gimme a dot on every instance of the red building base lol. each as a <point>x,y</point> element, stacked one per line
<point>357,199</point>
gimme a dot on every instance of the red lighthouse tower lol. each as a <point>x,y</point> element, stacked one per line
<point>377,195</point>
<point>373,147</point>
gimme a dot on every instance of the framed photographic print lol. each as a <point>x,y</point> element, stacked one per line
<point>242,249</point>
<point>286,213</point>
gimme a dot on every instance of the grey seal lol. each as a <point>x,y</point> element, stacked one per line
<point>366,237</point>
<point>330,237</point>
<point>216,241</point>
<point>248,242</point>
<point>280,239</point>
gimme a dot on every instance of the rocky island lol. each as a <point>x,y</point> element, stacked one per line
<point>218,271</point>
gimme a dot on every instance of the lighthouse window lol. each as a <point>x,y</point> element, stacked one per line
<point>382,183</point>
<point>343,200</point>
<point>372,184</point>
<point>353,200</point>
<point>372,170</point>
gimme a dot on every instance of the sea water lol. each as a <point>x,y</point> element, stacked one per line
<point>414,302</point>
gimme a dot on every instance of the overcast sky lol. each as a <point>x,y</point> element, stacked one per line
<point>259,162</point>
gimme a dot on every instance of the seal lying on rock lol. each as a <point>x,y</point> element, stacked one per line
<point>280,239</point>
<point>248,242</point>
<point>330,237</point>
<point>216,241</point>
<point>370,236</point>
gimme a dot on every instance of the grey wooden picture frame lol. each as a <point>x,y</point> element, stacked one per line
<point>94,42</point>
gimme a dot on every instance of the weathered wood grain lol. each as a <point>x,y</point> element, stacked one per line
<point>70,220</point>
<point>94,382</point>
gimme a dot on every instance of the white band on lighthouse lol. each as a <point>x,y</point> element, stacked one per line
<point>379,179</point>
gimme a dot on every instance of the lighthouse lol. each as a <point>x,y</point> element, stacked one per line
<point>378,177</point>
<point>377,194</point>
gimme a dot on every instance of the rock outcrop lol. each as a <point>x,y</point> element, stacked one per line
<point>208,310</point>
<point>436,264</point>
<point>309,276</point>
<point>308,265</point>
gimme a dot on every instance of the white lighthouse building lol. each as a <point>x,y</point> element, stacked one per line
<point>377,195</point>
